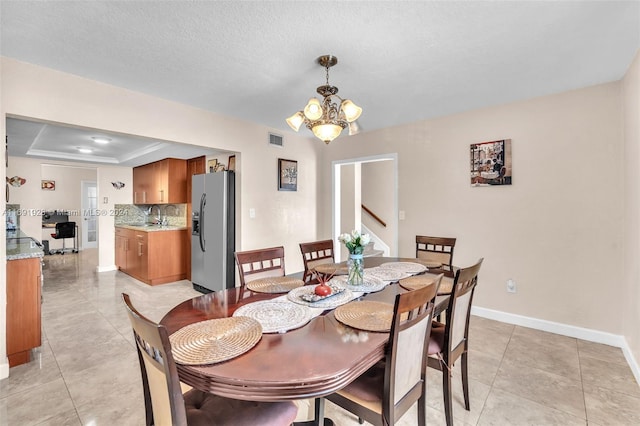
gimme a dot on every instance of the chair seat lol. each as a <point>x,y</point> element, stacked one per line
<point>436,340</point>
<point>368,387</point>
<point>208,409</point>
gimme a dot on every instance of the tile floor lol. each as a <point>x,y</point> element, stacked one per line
<point>86,371</point>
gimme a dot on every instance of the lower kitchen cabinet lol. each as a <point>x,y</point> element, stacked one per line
<point>153,257</point>
<point>24,331</point>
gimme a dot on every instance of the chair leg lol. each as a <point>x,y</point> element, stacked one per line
<point>446,390</point>
<point>422,406</point>
<point>465,381</point>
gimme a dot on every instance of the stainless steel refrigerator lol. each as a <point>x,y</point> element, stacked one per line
<point>213,234</point>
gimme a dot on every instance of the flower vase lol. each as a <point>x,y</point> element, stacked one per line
<point>356,269</point>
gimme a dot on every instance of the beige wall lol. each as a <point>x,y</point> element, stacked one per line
<point>282,218</point>
<point>378,192</point>
<point>629,297</point>
<point>557,231</point>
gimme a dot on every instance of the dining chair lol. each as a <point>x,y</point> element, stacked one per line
<point>387,390</point>
<point>314,254</point>
<point>437,249</point>
<point>165,404</point>
<point>450,341</point>
<point>260,263</point>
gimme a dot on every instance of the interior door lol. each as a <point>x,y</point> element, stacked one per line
<point>89,211</point>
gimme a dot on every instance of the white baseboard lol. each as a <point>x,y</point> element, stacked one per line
<point>4,369</point>
<point>106,268</point>
<point>564,330</point>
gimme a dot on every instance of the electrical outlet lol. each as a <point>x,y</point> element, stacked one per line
<point>511,286</point>
<point>252,213</point>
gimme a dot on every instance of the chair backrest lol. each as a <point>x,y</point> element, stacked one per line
<point>314,254</point>
<point>405,371</point>
<point>436,249</point>
<point>459,309</point>
<point>261,263</point>
<point>163,400</point>
<point>65,230</point>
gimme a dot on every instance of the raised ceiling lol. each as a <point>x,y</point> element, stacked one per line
<point>402,61</point>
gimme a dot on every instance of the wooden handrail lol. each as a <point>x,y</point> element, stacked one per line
<point>373,215</point>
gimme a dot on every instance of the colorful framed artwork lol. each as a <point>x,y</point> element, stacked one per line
<point>48,185</point>
<point>287,175</point>
<point>491,163</point>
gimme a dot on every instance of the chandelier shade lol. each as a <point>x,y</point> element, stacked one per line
<point>327,118</point>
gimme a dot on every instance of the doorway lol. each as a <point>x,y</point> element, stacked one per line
<point>89,212</point>
<point>363,191</point>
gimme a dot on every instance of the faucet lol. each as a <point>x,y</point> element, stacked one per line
<point>157,218</point>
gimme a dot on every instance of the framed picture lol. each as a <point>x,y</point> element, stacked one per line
<point>287,175</point>
<point>48,185</point>
<point>491,163</point>
<point>232,163</point>
<point>211,165</point>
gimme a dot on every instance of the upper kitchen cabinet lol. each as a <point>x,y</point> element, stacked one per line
<point>162,182</point>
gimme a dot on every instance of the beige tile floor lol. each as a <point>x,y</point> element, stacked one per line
<point>86,371</point>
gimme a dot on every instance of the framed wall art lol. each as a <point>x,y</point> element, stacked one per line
<point>287,175</point>
<point>491,163</point>
<point>48,185</point>
<point>232,163</point>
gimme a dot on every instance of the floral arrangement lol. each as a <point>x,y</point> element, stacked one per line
<point>355,242</point>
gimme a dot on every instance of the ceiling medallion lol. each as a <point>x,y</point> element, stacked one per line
<point>325,118</point>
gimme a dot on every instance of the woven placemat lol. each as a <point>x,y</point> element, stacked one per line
<point>419,281</point>
<point>390,275</point>
<point>332,269</point>
<point>366,315</point>
<point>274,284</point>
<point>407,267</point>
<point>370,284</point>
<point>215,340</point>
<point>276,316</point>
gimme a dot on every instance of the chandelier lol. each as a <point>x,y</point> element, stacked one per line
<point>325,118</point>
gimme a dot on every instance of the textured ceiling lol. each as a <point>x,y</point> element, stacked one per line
<point>402,61</point>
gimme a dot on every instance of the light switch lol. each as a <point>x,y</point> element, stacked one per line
<point>105,200</point>
<point>252,213</point>
<point>401,215</point>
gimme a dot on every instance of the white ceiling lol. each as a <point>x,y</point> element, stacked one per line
<point>402,61</point>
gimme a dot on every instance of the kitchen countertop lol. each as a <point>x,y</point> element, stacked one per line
<point>21,246</point>
<point>151,228</point>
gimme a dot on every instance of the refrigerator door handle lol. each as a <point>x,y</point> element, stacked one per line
<point>203,203</point>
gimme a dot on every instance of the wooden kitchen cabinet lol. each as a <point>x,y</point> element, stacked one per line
<point>154,257</point>
<point>161,182</point>
<point>24,283</point>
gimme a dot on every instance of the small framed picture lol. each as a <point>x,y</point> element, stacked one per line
<point>212,164</point>
<point>232,163</point>
<point>287,175</point>
<point>48,185</point>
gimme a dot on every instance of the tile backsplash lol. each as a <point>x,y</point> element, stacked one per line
<point>130,214</point>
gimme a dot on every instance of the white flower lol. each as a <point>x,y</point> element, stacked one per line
<point>345,238</point>
<point>365,239</point>
<point>355,234</point>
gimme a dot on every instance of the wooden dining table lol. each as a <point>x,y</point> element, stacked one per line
<point>312,361</point>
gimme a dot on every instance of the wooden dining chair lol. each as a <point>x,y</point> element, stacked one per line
<point>437,249</point>
<point>165,404</point>
<point>450,341</point>
<point>387,390</point>
<point>260,263</point>
<point>314,254</point>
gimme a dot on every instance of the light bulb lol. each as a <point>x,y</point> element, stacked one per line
<point>313,110</point>
<point>327,132</point>
<point>295,121</point>
<point>351,110</point>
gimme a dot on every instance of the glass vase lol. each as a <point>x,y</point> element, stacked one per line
<point>356,269</point>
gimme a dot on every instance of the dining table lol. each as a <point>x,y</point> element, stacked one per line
<point>311,361</point>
